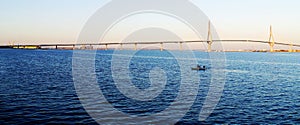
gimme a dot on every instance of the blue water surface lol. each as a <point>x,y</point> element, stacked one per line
<point>36,87</point>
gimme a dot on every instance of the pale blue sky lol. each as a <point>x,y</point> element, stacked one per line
<point>46,21</point>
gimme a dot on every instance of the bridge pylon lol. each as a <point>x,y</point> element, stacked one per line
<point>209,38</point>
<point>271,40</point>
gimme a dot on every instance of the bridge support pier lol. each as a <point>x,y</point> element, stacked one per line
<point>181,49</point>
<point>291,48</point>
<point>121,46</point>
<point>161,47</point>
<point>74,47</point>
<point>272,47</point>
<point>106,47</point>
<point>135,46</point>
<point>209,46</point>
<point>56,47</point>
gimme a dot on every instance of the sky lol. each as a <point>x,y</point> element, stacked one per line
<point>61,21</point>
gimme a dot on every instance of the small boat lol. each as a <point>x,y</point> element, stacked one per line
<point>203,68</point>
<point>199,69</point>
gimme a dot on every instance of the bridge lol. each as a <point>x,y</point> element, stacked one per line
<point>271,42</point>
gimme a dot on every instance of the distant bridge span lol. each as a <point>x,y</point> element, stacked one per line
<point>209,42</point>
<point>164,42</point>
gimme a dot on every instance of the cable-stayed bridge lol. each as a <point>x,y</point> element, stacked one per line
<point>271,42</point>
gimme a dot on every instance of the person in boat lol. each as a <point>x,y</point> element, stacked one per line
<point>198,66</point>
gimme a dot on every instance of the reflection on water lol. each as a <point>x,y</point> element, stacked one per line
<point>37,87</point>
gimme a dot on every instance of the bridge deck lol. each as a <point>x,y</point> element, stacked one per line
<point>153,42</point>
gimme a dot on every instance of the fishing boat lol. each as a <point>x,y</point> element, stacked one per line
<point>199,68</point>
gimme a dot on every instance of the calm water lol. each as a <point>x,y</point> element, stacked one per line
<point>36,87</point>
